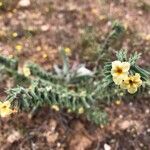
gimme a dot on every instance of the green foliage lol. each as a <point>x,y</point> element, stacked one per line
<point>9,63</point>
<point>97,116</point>
<point>72,87</point>
<point>122,56</point>
<point>116,32</point>
<point>39,72</point>
<point>41,94</point>
<point>9,66</point>
<point>114,35</point>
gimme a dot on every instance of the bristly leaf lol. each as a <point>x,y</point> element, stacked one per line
<point>134,57</point>
<point>122,55</point>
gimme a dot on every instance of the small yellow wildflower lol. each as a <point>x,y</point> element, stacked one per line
<point>131,83</point>
<point>147,37</point>
<point>10,56</point>
<point>1,4</point>
<point>38,48</point>
<point>101,126</point>
<point>102,17</point>
<point>55,107</point>
<point>45,55</point>
<point>69,110</point>
<point>118,102</point>
<point>5,109</point>
<point>67,51</point>
<point>119,71</point>
<point>18,47</point>
<point>15,34</point>
<point>26,71</point>
<point>81,110</point>
<point>95,11</point>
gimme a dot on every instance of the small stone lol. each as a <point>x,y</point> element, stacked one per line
<point>130,104</point>
<point>51,137</point>
<point>109,23</point>
<point>147,111</point>
<point>141,144</point>
<point>140,12</point>
<point>120,116</point>
<point>107,147</point>
<point>14,136</point>
<point>148,130</point>
<point>45,27</point>
<point>58,144</point>
<point>24,3</point>
<point>125,125</point>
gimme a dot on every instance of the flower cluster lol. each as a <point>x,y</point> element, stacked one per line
<point>120,73</point>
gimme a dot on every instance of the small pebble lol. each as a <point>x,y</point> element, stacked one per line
<point>148,130</point>
<point>107,147</point>
<point>147,111</point>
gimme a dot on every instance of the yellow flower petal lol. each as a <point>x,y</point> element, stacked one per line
<point>125,66</point>
<point>116,63</point>
<point>5,109</point>
<point>117,80</point>
<point>132,90</point>
<point>3,104</point>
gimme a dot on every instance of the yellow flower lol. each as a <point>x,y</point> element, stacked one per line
<point>5,109</point>
<point>67,51</point>
<point>131,83</point>
<point>38,48</point>
<point>55,107</point>
<point>81,110</point>
<point>69,110</point>
<point>15,34</point>
<point>1,4</point>
<point>18,48</point>
<point>26,71</point>
<point>45,55</point>
<point>147,37</point>
<point>119,71</point>
<point>118,102</point>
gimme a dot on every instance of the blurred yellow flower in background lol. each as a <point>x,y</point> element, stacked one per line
<point>38,48</point>
<point>1,4</point>
<point>55,107</point>
<point>45,55</point>
<point>67,51</point>
<point>118,102</point>
<point>15,34</point>
<point>18,47</point>
<point>81,110</point>
<point>69,110</point>
<point>26,71</point>
<point>5,109</point>
<point>147,37</point>
<point>131,83</point>
<point>119,71</point>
